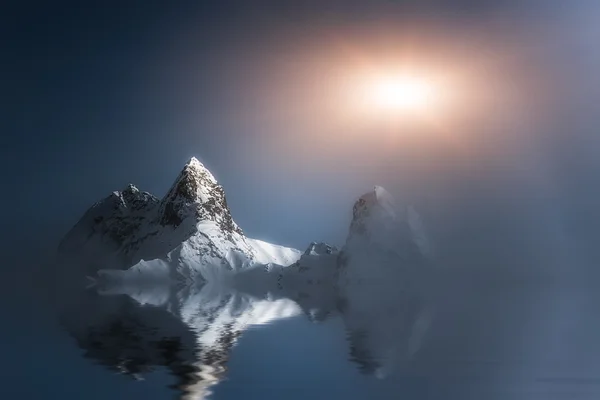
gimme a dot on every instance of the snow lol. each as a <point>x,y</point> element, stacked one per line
<point>265,253</point>
<point>386,200</point>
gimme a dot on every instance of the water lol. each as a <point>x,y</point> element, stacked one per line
<point>472,336</point>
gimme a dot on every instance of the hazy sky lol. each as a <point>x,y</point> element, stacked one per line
<point>97,96</point>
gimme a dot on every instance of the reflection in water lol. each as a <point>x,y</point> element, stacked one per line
<point>191,332</point>
<point>134,327</point>
<point>462,335</point>
<point>129,339</point>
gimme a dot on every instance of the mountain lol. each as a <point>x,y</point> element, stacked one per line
<point>383,239</point>
<point>190,228</point>
<point>378,222</point>
<point>386,244</point>
<point>190,235</point>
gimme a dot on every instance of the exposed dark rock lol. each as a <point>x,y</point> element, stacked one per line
<point>320,248</point>
<point>196,193</point>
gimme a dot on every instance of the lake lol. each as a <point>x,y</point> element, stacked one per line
<point>474,336</point>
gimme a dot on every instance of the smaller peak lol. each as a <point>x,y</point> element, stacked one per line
<point>378,193</point>
<point>131,196</point>
<point>373,208</point>
<point>376,197</point>
<point>130,188</point>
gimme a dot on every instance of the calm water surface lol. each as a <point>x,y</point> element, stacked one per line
<point>474,338</point>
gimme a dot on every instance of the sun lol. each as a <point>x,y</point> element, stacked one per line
<point>402,93</point>
<point>422,96</point>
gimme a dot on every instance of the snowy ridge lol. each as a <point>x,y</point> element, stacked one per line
<point>272,253</point>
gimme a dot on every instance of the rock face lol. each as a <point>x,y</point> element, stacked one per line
<point>378,222</point>
<point>108,230</point>
<point>316,249</point>
<point>191,227</point>
<point>196,194</point>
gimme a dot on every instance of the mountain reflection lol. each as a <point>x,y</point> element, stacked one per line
<point>119,334</point>
<point>135,327</point>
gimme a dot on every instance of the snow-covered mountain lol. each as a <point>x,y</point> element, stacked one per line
<point>191,235</point>
<point>190,228</point>
<point>377,283</point>
<point>383,279</point>
<point>386,250</point>
<point>377,221</point>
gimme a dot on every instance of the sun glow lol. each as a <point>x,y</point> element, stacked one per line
<point>402,93</point>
